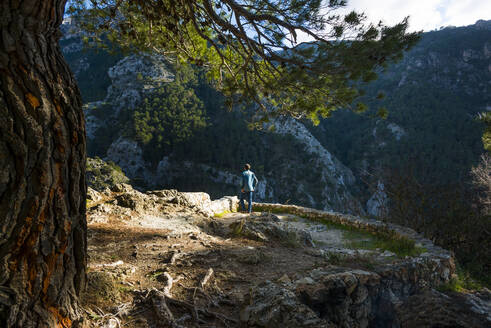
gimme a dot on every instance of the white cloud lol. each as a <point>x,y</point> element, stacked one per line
<point>465,12</point>
<point>424,14</point>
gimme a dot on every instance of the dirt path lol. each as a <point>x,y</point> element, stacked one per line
<point>134,259</point>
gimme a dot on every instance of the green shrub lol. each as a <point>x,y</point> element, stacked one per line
<point>101,175</point>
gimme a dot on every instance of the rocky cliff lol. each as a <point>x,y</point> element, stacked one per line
<point>304,171</point>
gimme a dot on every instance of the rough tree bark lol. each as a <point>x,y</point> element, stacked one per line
<point>42,171</point>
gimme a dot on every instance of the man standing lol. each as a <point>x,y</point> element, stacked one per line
<point>249,182</point>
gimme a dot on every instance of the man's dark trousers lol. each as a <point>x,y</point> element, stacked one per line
<point>243,196</point>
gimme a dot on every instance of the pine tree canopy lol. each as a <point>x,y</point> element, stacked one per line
<point>250,48</point>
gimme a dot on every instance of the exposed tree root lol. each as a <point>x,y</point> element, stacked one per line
<point>174,257</point>
<point>160,301</point>
<point>206,278</point>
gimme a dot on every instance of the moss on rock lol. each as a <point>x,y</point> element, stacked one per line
<point>101,175</point>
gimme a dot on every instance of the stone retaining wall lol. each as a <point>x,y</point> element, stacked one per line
<point>431,268</point>
<point>351,297</point>
<point>439,261</point>
<point>357,222</point>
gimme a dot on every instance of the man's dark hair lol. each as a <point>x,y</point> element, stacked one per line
<point>247,166</point>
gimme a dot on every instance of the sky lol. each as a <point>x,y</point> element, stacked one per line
<point>425,15</point>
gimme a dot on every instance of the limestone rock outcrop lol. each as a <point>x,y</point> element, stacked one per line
<point>203,201</point>
<point>331,171</point>
<point>277,307</point>
<point>319,181</point>
<point>142,208</point>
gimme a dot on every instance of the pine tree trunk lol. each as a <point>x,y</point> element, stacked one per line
<point>42,171</point>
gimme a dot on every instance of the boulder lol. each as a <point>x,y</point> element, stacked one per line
<point>199,199</point>
<point>346,298</point>
<point>134,201</point>
<point>274,306</point>
<point>224,204</point>
<point>122,187</point>
<point>93,195</point>
<point>268,226</point>
<point>203,201</point>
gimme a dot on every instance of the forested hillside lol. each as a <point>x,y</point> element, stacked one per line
<point>433,97</point>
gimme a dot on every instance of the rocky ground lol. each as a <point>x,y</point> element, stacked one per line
<point>170,259</point>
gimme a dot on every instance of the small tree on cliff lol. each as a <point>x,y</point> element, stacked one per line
<point>249,48</point>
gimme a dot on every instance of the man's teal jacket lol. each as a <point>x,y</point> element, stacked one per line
<point>249,180</point>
